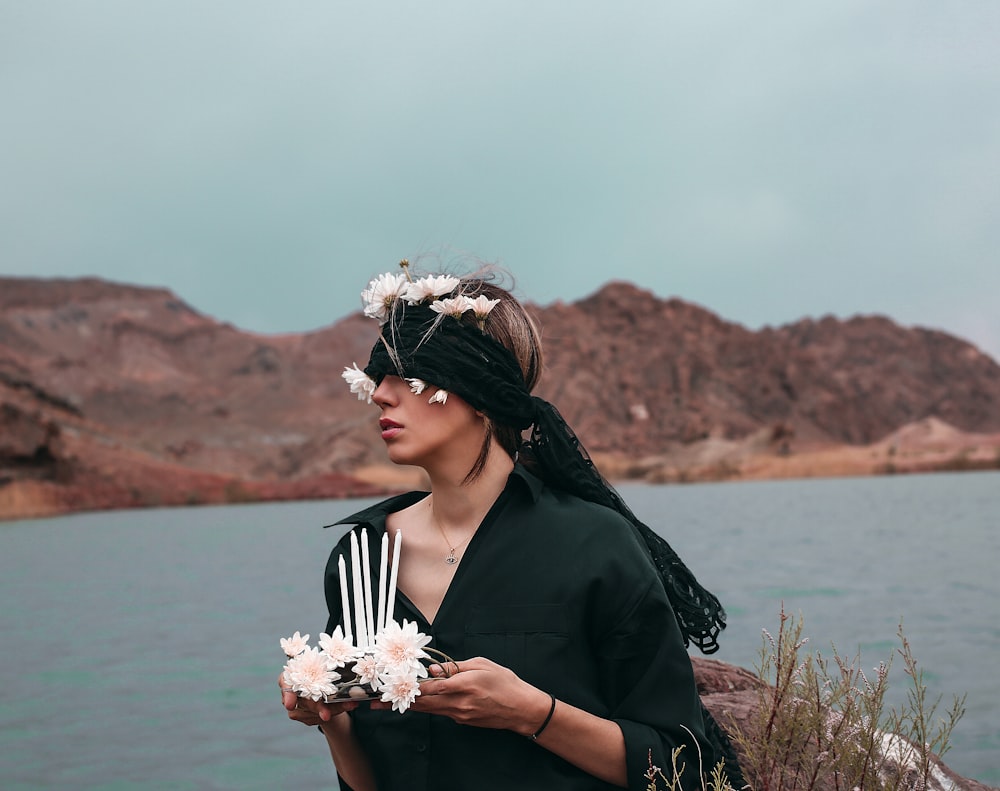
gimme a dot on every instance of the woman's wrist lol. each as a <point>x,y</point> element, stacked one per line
<point>547,720</point>
<point>538,715</point>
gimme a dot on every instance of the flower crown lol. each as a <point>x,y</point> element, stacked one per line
<point>433,291</point>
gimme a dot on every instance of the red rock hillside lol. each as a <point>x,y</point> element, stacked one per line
<point>114,395</point>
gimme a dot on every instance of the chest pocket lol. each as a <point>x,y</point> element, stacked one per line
<point>525,638</point>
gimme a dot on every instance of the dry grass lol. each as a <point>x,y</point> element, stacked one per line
<point>823,723</point>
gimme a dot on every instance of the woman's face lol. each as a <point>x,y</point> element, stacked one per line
<point>423,434</point>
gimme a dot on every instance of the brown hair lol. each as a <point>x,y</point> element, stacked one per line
<point>510,324</point>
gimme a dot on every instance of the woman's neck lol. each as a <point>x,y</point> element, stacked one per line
<point>456,502</point>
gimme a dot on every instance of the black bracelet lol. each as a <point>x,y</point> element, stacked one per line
<point>552,711</point>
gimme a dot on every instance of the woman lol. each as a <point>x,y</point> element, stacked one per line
<point>568,617</point>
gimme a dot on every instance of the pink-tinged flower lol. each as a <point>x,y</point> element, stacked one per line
<point>455,306</point>
<point>366,669</point>
<point>400,690</point>
<point>381,293</point>
<point>439,397</point>
<point>360,382</point>
<point>294,645</point>
<point>399,649</point>
<point>417,386</point>
<point>338,650</point>
<point>482,306</point>
<point>429,287</point>
<point>309,675</point>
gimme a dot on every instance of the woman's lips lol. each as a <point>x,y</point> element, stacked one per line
<point>390,428</point>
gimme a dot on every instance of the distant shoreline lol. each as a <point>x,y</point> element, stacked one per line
<point>928,446</point>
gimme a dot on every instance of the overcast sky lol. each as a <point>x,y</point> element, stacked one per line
<point>766,160</point>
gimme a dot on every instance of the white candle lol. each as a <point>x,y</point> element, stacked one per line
<point>393,577</point>
<point>359,607</point>
<point>366,576</point>
<point>382,583</point>
<point>345,602</point>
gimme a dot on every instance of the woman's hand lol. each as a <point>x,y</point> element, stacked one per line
<point>348,757</point>
<point>484,694</point>
<point>311,712</point>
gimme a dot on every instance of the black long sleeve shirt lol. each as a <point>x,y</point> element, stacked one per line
<point>562,592</point>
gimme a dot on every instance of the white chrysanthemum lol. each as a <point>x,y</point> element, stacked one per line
<point>440,397</point>
<point>309,674</point>
<point>294,645</point>
<point>430,287</point>
<point>381,293</point>
<point>399,649</point>
<point>482,306</point>
<point>366,669</point>
<point>417,386</point>
<point>454,306</point>
<point>400,690</point>
<point>360,382</point>
<point>337,649</point>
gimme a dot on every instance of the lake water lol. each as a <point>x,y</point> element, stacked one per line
<point>141,647</point>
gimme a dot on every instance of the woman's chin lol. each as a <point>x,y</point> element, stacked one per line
<point>399,455</point>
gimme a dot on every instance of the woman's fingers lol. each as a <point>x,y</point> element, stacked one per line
<point>310,712</point>
<point>453,668</point>
<point>305,715</point>
<point>445,669</point>
<point>288,697</point>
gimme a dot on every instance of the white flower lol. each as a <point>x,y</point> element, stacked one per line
<point>399,649</point>
<point>360,382</point>
<point>381,293</point>
<point>417,386</point>
<point>366,669</point>
<point>400,690</point>
<point>482,306</point>
<point>294,645</point>
<point>309,674</point>
<point>431,286</point>
<point>455,306</point>
<point>338,650</point>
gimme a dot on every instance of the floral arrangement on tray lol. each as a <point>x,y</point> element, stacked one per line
<point>379,659</point>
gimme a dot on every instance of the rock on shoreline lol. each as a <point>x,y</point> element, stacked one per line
<point>731,695</point>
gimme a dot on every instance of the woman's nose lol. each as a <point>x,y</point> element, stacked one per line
<point>385,393</point>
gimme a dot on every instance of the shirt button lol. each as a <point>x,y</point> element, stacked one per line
<point>421,748</point>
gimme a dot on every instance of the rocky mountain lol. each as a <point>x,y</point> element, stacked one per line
<point>113,394</point>
<point>633,372</point>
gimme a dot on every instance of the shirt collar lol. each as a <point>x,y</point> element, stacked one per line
<point>533,483</point>
<point>376,514</point>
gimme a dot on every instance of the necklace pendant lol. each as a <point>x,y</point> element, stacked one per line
<point>451,560</point>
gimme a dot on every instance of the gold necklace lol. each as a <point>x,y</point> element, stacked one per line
<point>451,560</point>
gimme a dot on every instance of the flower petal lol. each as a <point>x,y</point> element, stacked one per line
<point>454,306</point>
<point>381,293</point>
<point>360,382</point>
<point>430,286</point>
<point>482,306</point>
<point>294,645</point>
